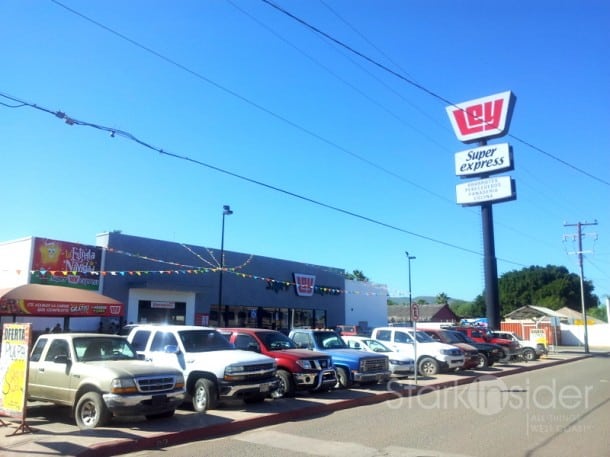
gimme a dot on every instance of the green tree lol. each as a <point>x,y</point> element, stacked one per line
<point>442,299</point>
<point>472,309</point>
<point>356,275</point>
<point>551,286</point>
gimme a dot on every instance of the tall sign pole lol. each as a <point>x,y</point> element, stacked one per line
<point>476,121</point>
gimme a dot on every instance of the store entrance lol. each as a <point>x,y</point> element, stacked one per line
<point>161,312</point>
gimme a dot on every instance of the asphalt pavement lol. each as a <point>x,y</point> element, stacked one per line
<point>50,430</point>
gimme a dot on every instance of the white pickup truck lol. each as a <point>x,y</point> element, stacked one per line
<point>212,367</point>
<point>432,356</point>
<point>531,349</point>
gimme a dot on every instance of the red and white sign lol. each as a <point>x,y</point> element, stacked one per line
<point>484,160</point>
<point>501,188</point>
<point>304,284</point>
<point>481,118</point>
<point>414,312</point>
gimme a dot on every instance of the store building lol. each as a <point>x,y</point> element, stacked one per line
<point>168,282</point>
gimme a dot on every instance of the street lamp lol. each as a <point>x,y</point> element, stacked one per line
<point>226,211</point>
<point>409,258</point>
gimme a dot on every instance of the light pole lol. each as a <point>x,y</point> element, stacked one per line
<point>226,211</point>
<point>409,258</point>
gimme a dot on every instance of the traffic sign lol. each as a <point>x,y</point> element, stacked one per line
<point>415,312</point>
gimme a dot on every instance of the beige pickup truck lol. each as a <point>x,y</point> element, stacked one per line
<point>101,376</point>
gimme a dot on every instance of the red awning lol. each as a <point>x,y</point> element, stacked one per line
<point>60,301</point>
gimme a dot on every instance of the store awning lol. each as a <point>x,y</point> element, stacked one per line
<point>59,301</point>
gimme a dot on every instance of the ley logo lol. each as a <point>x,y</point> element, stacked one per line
<point>304,284</point>
<point>481,118</point>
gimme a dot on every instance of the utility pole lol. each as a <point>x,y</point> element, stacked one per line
<point>579,236</point>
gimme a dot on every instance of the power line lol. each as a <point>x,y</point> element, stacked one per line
<point>421,87</point>
<point>117,132</point>
<point>262,108</point>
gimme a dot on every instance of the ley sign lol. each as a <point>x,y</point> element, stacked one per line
<point>486,117</point>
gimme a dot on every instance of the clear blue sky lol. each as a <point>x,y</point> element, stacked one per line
<point>357,163</point>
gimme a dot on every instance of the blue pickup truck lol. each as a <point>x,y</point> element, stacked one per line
<point>352,366</point>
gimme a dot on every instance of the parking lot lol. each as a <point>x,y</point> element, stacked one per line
<point>55,433</point>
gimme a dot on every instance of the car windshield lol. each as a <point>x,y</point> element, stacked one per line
<point>461,337</point>
<point>329,340</point>
<point>451,337</point>
<point>376,346</point>
<point>204,340</point>
<point>276,341</point>
<point>96,348</point>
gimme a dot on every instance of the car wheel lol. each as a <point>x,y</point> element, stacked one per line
<point>163,415</point>
<point>91,411</point>
<point>483,361</point>
<point>343,380</point>
<point>505,358</point>
<point>285,387</point>
<point>204,395</point>
<point>528,354</point>
<point>428,366</point>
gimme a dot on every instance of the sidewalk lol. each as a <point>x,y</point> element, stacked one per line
<point>55,433</point>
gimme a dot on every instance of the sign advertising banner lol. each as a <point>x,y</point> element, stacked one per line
<point>497,189</point>
<point>485,117</point>
<point>51,308</point>
<point>484,160</point>
<point>14,360</point>
<point>80,264</point>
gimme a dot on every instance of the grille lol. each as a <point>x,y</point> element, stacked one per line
<point>373,365</point>
<point>258,368</point>
<point>320,364</point>
<point>157,384</point>
<point>258,371</point>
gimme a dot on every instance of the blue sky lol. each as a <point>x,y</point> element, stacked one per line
<point>324,157</point>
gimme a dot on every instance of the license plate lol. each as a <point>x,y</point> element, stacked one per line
<point>264,387</point>
<point>159,400</point>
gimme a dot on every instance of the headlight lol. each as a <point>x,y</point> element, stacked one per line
<point>451,352</point>
<point>180,381</point>
<point>305,364</point>
<point>234,369</point>
<point>399,362</point>
<point>123,386</point>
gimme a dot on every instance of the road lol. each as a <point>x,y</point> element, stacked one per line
<point>558,411</point>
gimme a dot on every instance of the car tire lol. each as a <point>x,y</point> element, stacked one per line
<point>286,385</point>
<point>529,354</point>
<point>343,380</point>
<point>204,395</point>
<point>427,366</point>
<point>505,356</point>
<point>483,361</point>
<point>91,411</point>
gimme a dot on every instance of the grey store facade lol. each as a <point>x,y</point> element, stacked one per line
<point>169,282</point>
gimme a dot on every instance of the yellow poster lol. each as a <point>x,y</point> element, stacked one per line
<point>13,369</point>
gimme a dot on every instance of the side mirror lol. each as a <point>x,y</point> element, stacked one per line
<point>171,349</point>
<point>63,358</point>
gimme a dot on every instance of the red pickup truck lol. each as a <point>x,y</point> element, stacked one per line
<point>483,335</point>
<point>297,369</point>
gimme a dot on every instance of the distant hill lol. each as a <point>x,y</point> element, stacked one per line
<point>405,300</point>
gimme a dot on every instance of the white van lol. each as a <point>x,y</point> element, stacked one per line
<point>432,357</point>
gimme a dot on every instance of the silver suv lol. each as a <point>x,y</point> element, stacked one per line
<point>100,376</point>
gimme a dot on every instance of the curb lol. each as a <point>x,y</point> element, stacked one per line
<point>112,448</point>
